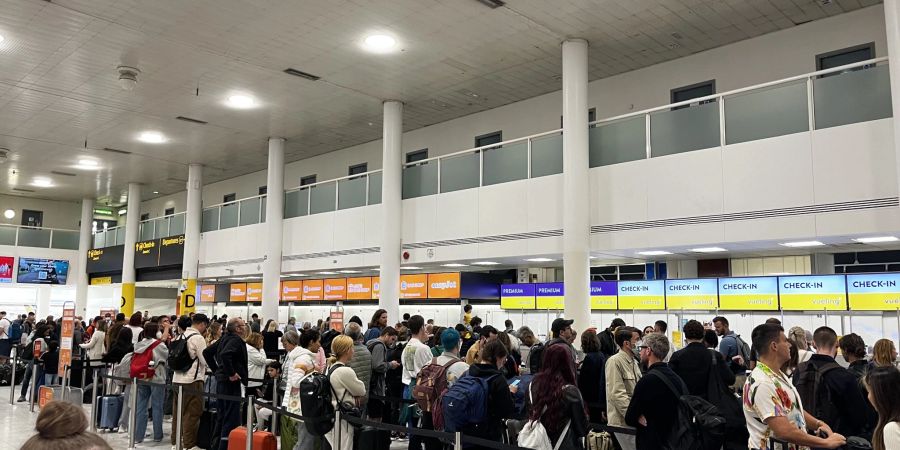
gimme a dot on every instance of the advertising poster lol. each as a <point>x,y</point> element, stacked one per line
<point>549,295</point>
<point>699,293</point>
<point>604,294</point>
<point>291,291</point>
<point>813,293</point>
<point>335,289</point>
<point>359,288</point>
<point>414,286</point>
<point>748,294</point>
<point>42,271</point>
<point>517,296</point>
<point>313,290</point>
<point>644,295</point>
<point>207,293</point>
<point>254,292</point>
<point>874,292</point>
<point>6,269</point>
<point>443,285</point>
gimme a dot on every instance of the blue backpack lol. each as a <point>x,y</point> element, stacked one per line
<point>465,403</point>
<point>15,332</point>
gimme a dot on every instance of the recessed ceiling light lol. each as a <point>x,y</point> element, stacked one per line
<point>156,192</point>
<point>410,268</point>
<point>241,101</point>
<point>379,43</point>
<point>539,259</point>
<point>42,182</point>
<point>327,273</point>
<point>801,244</point>
<point>122,212</point>
<point>152,137</point>
<point>87,164</point>
<point>348,271</point>
<point>708,250</point>
<point>454,265</point>
<point>654,253</point>
<point>877,239</point>
<point>9,213</point>
<point>485,263</point>
<point>780,273</point>
<point>2,38</point>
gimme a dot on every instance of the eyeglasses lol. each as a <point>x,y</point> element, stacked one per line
<point>642,347</point>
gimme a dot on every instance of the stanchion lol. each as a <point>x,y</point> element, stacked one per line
<point>12,380</point>
<point>249,423</point>
<point>34,382</point>
<point>457,445</point>
<point>337,428</point>
<point>179,424</point>
<point>94,395</point>
<point>132,414</point>
<point>275,423</point>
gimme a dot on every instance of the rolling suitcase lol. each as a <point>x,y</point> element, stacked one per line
<point>208,431</point>
<point>262,440</point>
<point>368,438</point>
<point>110,410</point>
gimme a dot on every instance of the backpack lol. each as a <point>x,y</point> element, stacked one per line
<point>465,403</point>
<point>179,355</point>
<point>814,394</point>
<point>15,332</point>
<point>534,435</point>
<point>315,403</point>
<point>28,353</point>
<point>698,425</point>
<point>430,384</point>
<point>534,357</point>
<point>743,349</point>
<point>140,363</point>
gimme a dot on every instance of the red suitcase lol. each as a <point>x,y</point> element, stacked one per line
<point>262,440</point>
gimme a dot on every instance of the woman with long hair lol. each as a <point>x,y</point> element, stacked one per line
<point>500,403</point>
<point>213,333</point>
<point>348,390</point>
<point>511,367</point>
<point>884,354</point>
<point>378,322</point>
<point>592,376</point>
<point>256,360</point>
<point>271,335</point>
<point>882,383</point>
<point>797,337</point>
<point>556,401</point>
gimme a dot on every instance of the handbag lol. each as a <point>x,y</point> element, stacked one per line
<point>723,398</point>
<point>346,408</point>
<point>534,435</point>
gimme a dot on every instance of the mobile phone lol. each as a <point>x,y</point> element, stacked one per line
<point>515,383</point>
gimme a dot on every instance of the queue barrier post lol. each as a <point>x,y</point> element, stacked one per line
<point>179,419</point>
<point>12,380</point>
<point>34,382</point>
<point>94,395</point>
<point>250,407</point>
<point>132,414</point>
<point>457,444</point>
<point>275,403</point>
<point>337,428</point>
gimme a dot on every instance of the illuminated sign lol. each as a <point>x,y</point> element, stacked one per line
<point>376,287</point>
<point>254,292</point>
<point>701,293</point>
<point>100,281</point>
<point>359,288</point>
<point>313,290</point>
<point>813,293</point>
<point>604,294</point>
<point>291,291</point>
<point>517,296</point>
<point>549,295</point>
<point>874,292</point>
<point>207,293</point>
<point>104,260</point>
<point>642,295</point>
<point>748,294</point>
<point>335,289</point>
<point>414,286</point>
<point>238,292</point>
<point>443,285</point>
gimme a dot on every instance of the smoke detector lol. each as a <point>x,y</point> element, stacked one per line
<point>128,77</point>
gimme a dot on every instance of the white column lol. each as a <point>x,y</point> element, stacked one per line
<point>191,259</point>
<point>892,28</point>
<point>391,208</point>
<point>274,230</point>
<point>84,244</point>
<point>576,185</point>
<point>132,222</point>
<point>43,303</point>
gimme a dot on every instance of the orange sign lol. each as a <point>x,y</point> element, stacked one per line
<point>414,286</point>
<point>336,289</point>
<point>313,289</point>
<point>254,292</point>
<point>443,285</point>
<point>238,292</point>
<point>337,320</point>
<point>45,395</point>
<point>37,348</point>
<point>65,345</point>
<point>376,287</point>
<point>359,288</point>
<point>207,293</point>
<point>291,290</point>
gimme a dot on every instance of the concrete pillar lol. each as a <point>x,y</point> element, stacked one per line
<point>43,302</point>
<point>84,244</point>
<point>576,184</point>
<point>191,259</point>
<point>132,222</point>
<point>391,208</point>
<point>823,263</point>
<point>892,29</point>
<point>274,230</point>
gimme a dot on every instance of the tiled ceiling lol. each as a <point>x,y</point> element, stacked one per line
<point>60,100</point>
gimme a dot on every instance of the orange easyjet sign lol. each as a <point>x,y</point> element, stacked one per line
<point>414,286</point>
<point>291,291</point>
<point>238,292</point>
<point>359,288</point>
<point>336,289</point>
<point>207,293</point>
<point>254,292</point>
<point>443,285</point>
<point>376,287</point>
<point>313,289</point>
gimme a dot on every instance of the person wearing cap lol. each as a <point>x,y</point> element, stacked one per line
<point>193,379</point>
<point>562,333</point>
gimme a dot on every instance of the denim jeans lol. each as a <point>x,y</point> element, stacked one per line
<point>155,395</point>
<point>50,379</point>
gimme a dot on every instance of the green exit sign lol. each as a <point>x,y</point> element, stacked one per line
<point>103,212</point>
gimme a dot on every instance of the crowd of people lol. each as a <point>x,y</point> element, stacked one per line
<point>776,387</point>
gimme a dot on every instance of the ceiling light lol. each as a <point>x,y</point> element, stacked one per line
<point>2,38</point>
<point>152,137</point>
<point>9,213</point>
<point>42,182</point>
<point>122,212</point>
<point>156,192</point>
<point>327,273</point>
<point>798,244</point>
<point>485,263</point>
<point>379,43</point>
<point>454,265</point>
<point>348,271</point>
<point>877,239</point>
<point>87,164</point>
<point>240,101</point>
<point>708,250</point>
<point>539,259</point>
<point>410,268</point>
<point>654,253</point>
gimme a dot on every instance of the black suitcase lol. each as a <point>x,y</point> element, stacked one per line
<point>208,432</point>
<point>368,438</point>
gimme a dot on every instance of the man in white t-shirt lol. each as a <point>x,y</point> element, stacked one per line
<point>5,343</point>
<point>416,355</point>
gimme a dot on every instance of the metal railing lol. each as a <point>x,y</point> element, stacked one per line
<point>351,191</point>
<point>109,237</point>
<point>25,236</point>
<point>245,211</point>
<point>160,227</point>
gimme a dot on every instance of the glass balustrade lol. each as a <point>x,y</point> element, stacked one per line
<point>352,193</point>
<point>251,211</point>
<point>322,198</point>
<point>618,141</point>
<point>34,237</point>
<point>148,230</point>
<point>228,216</point>
<point>505,164</point>
<point>768,112</point>
<point>65,240</point>
<point>420,180</point>
<point>7,235</point>
<point>683,130</point>
<point>857,95</point>
<point>176,224</point>
<point>296,203</point>
<point>375,188</point>
<point>546,155</point>
<point>460,172</point>
<point>210,219</point>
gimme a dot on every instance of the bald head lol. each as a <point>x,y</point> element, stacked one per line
<point>234,325</point>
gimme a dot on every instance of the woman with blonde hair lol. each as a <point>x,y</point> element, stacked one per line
<point>63,426</point>
<point>213,333</point>
<point>797,337</point>
<point>256,360</point>
<point>347,388</point>
<point>884,354</point>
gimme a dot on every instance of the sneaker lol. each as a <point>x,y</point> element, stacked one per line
<point>20,399</point>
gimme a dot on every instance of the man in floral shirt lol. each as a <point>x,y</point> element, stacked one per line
<point>772,405</point>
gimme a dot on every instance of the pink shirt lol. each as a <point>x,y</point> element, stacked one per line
<point>321,360</point>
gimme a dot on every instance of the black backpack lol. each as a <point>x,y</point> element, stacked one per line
<point>315,403</point>
<point>814,393</point>
<point>534,358</point>
<point>179,356</point>
<point>698,425</point>
<point>28,353</point>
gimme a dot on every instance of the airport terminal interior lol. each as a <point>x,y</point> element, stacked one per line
<point>309,162</point>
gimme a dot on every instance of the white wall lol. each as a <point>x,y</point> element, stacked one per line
<point>777,55</point>
<point>57,214</point>
<point>48,253</point>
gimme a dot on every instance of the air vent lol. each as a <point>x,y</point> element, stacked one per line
<point>189,119</point>
<point>301,74</point>
<point>493,4</point>
<point>65,174</point>
<point>22,190</point>
<point>115,150</point>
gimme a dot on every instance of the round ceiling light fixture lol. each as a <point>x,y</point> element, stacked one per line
<point>128,77</point>
<point>241,101</point>
<point>9,213</point>
<point>379,43</point>
<point>152,137</point>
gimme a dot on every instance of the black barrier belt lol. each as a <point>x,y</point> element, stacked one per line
<point>173,388</point>
<point>408,401</point>
<point>613,429</point>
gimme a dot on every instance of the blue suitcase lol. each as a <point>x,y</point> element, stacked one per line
<point>110,411</point>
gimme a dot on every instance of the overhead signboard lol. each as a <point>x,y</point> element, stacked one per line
<point>335,289</point>
<point>414,286</point>
<point>7,265</point>
<point>517,296</point>
<point>359,288</point>
<point>171,251</point>
<point>107,259</point>
<point>376,287</point>
<point>813,293</point>
<point>291,291</point>
<point>699,293</point>
<point>207,293</point>
<point>238,292</point>
<point>443,285</point>
<point>645,295</point>
<point>100,281</point>
<point>748,294</point>
<point>604,295</point>
<point>254,292</point>
<point>549,295</point>
<point>146,254</point>
<point>313,290</point>
<point>874,292</point>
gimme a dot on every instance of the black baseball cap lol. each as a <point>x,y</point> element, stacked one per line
<point>560,324</point>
